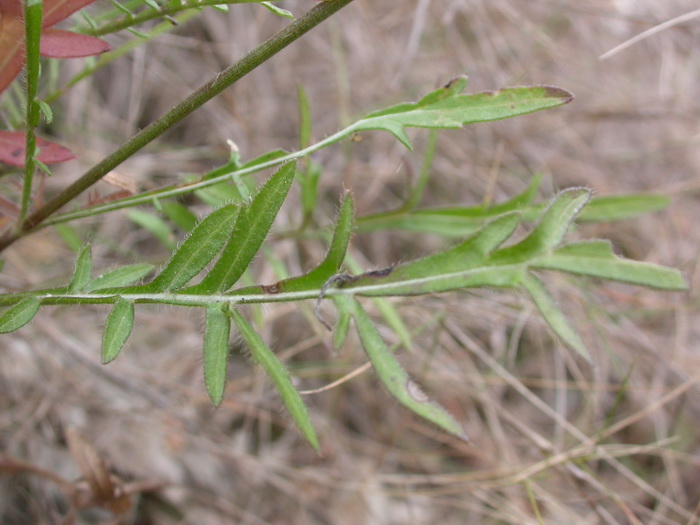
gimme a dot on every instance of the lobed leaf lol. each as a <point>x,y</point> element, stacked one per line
<point>446,108</point>
<point>252,226</point>
<point>279,375</point>
<point>395,378</point>
<point>216,336</point>
<point>551,229</point>
<point>120,322</point>
<point>18,315</point>
<point>198,249</point>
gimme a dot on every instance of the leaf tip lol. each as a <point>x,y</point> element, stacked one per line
<point>565,95</point>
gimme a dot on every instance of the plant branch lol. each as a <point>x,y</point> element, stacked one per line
<point>216,85</point>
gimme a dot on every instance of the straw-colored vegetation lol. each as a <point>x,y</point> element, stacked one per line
<point>554,439</point>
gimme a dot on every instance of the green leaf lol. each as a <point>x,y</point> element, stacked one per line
<point>551,229</point>
<point>554,316</point>
<point>123,276</point>
<point>70,237</point>
<point>216,337</point>
<point>83,270</point>
<point>18,315</point>
<point>614,269</point>
<point>462,265</point>
<point>265,158</point>
<point>198,250</point>
<point>446,108</point>
<point>449,221</point>
<point>120,322</point>
<point>619,207</point>
<point>251,228</point>
<point>334,258</point>
<point>304,118</point>
<point>180,214</point>
<point>279,375</point>
<point>395,378</point>
<point>342,325</point>
<point>277,10</point>
<point>155,226</point>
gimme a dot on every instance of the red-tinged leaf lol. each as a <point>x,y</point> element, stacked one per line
<point>57,10</point>
<point>11,47</point>
<point>12,144</point>
<point>11,8</point>
<point>12,35</point>
<point>56,43</point>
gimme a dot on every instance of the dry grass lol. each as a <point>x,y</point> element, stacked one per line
<point>555,441</point>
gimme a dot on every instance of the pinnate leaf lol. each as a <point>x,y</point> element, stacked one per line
<point>447,108</point>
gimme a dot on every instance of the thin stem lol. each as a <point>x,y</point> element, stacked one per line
<point>205,93</point>
<point>33,11</point>
<point>149,14</point>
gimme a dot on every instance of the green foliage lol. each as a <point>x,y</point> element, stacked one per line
<point>222,246</point>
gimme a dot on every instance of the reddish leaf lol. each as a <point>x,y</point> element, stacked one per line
<point>57,10</point>
<point>12,147</point>
<point>56,43</point>
<point>58,46</point>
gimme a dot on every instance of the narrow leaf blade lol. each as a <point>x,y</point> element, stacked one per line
<point>280,377</point>
<point>83,270</point>
<point>554,316</point>
<point>18,315</point>
<point>123,276</point>
<point>251,228</point>
<point>120,322</point>
<point>446,108</point>
<point>395,378</point>
<point>216,337</point>
<point>198,250</point>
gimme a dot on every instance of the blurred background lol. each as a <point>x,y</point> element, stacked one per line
<point>554,440</point>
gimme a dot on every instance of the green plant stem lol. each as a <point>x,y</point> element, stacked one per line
<point>33,11</point>
<point>216,85</point>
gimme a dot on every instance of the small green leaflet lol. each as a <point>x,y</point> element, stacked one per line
<point>447,108</point>
<point>216,336</point>
<point>123,276</point>
<point>554,316</point>
<point>155,226</point>
<point>120,322</point>
<point>394,377</point>
<point>83,270</point>
<point>198,250</point>
<point>279,375</point>
<point>18,315</point>
<point>251,228</point>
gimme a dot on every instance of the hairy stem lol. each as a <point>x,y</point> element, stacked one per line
<point>216,85</point>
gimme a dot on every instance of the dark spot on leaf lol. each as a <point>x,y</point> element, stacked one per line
<point>271,288</point>
<point>416,392</point>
